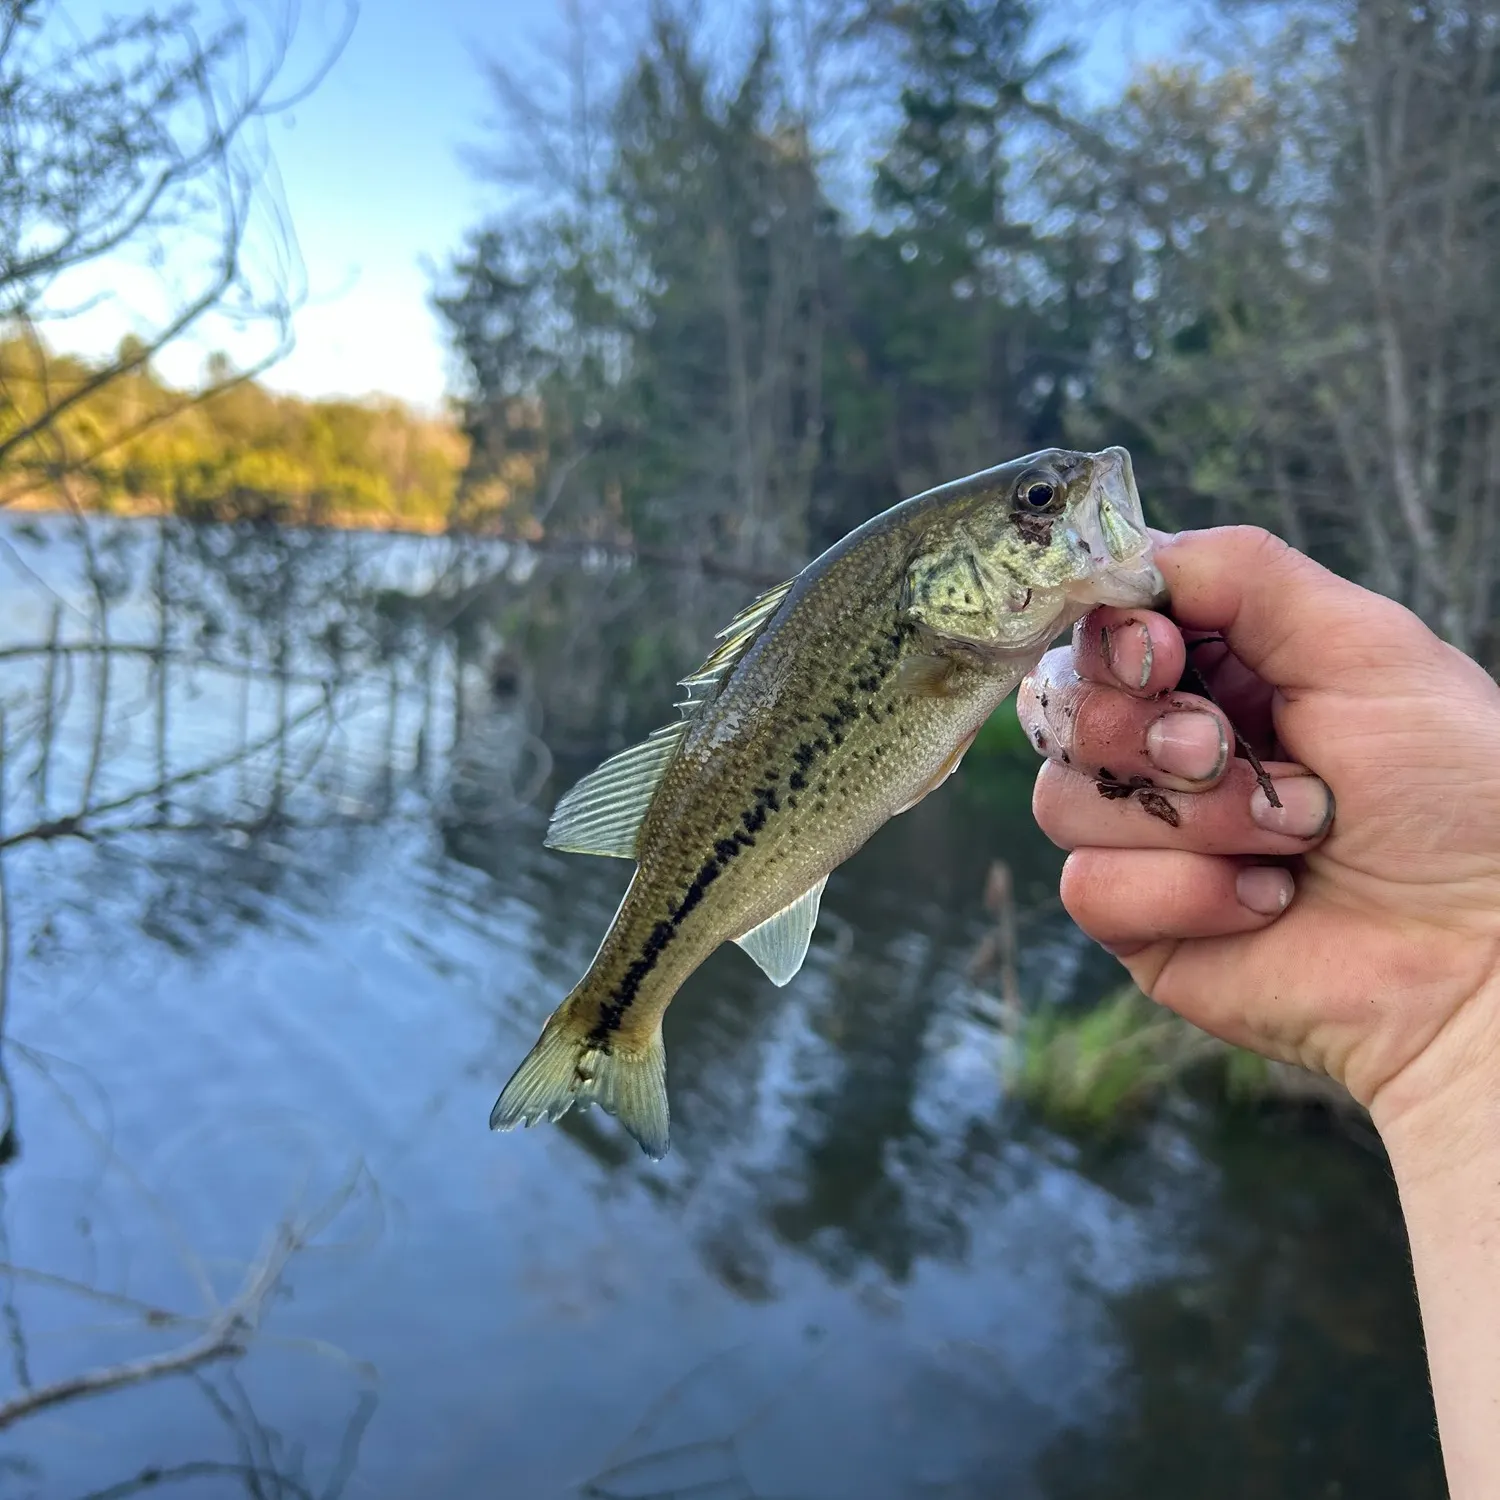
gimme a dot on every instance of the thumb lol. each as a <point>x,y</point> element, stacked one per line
<point>1289,619</point>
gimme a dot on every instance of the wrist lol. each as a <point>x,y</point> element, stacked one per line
<point>1444,1146</point>
<point>1440,1116</point>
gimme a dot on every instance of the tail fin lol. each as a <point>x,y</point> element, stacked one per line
<point>565,1068</point>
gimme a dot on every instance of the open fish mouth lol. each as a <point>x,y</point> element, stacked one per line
<point>1117,531</point>
<point>1121,522</point>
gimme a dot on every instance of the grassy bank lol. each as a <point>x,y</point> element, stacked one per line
<point>1101,1069</point>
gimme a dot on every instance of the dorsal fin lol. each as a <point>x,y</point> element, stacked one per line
<point>737,637</point>
<point>604,812</point>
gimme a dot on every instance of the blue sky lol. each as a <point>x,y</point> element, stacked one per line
<point>372,178</point>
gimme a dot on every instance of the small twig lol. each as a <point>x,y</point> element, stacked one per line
<point>348,1455</point>
<point>44,1064</point>
<point>1195,682</point>
<point>14,1328</point>
<point>8,1144</point>
<point>49,706</point>
<point>4,896</point>
<point>155,1317</point>
<point>190,659</point>
<point>172,1475</point>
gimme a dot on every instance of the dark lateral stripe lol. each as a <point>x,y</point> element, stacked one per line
<point>614,1010</point>
<point>867,677</point>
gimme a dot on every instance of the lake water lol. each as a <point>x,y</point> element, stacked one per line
<point>313,928</point>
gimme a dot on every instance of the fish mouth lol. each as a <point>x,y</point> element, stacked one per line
<point>1128,577</point>
<point>1118,507</point>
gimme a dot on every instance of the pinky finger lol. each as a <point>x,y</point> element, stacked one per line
<point>1128,899</point>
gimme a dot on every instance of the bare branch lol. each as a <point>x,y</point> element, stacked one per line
<point>226,1337</point>
<point>76,825</point>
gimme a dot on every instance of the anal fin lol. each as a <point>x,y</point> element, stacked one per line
<point>779,944</point>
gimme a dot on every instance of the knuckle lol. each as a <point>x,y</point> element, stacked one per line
<point>1263,546</point>
<point>1029,697</point>
<point>1073,887</point>
<point>1053,672</point>
<point>1045,705</point>
<point>1252,546</point>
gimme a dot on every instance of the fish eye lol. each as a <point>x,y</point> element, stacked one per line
<point>1038,492</point>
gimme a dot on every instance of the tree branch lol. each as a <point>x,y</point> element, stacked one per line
<point>225,1337</point>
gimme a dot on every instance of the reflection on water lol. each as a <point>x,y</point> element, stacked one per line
<point>277,972</point>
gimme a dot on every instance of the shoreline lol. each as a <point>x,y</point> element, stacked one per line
<point>152,510</point>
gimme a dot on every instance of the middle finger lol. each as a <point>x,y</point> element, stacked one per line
<point>1178,741</point>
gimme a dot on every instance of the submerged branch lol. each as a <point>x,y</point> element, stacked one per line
<point>107,648</point>
<point>225,1337</point>
<point>7,1092</point>
<point>75,825</point>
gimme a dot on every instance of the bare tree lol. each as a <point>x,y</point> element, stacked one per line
<point>137,146</point>
<point>1421,115</point>
<point>1293,258</point>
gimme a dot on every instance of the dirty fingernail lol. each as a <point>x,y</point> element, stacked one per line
<point>1190,744</point>
<point>1264,889</point>
<point>1128,652</point>
<point>1306,807</point>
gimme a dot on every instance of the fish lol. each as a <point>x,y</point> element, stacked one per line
<point>829,705</point>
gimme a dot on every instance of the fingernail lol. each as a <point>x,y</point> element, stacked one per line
<point>1189,743</point>
<point>1265,889</point>
<point>1306,807</point>
<point>1128,653</point>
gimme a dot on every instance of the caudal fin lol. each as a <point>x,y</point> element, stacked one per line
<point>565,1068</point>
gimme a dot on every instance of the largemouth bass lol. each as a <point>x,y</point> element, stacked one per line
<point>832,703</point>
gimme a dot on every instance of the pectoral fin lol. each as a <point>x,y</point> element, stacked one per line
<point>779,944</point>
<point>925,676</point>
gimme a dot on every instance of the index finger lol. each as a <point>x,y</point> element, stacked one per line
<point>1137,650</point>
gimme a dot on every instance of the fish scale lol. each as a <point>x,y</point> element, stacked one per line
<point>833,703</point>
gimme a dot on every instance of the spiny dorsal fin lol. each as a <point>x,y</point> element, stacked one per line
<point>604,812</point>
<point>779,944</point>
<point>737,637</point>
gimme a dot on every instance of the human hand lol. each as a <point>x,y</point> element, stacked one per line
<point>1364,943</point>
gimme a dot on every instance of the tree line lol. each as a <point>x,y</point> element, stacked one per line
<point>744,290</point>
<point>232,450</point>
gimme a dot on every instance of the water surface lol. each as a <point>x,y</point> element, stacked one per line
<point>312,929</point>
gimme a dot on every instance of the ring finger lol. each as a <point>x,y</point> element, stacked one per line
<point>1235,817</point>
